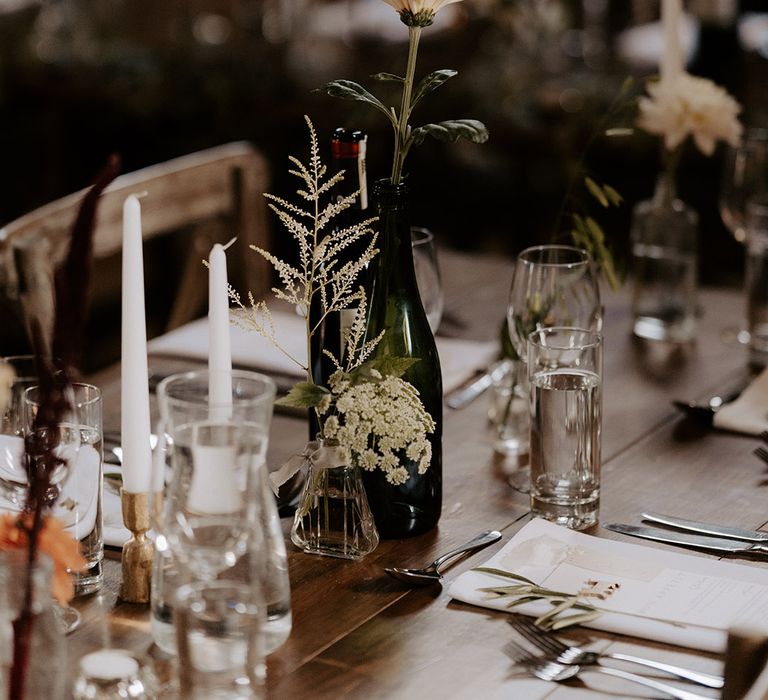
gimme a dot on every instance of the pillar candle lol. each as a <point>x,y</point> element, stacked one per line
<point>672,54</point>
<point>219,350</point>
<point>135,427</point>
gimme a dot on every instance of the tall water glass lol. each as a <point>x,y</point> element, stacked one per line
<point>79,502</point>
<point>745,177</point>
<point>565,370</point>
<point>552,285</point>
<point>756,281</point>
<point>428,274</point>
<point>220,517</point>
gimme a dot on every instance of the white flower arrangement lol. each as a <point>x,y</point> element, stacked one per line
<point>375,420</point>
<point>368,410</point>
<point>686,105</point>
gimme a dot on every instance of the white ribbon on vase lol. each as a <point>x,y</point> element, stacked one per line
<point>319,456</point>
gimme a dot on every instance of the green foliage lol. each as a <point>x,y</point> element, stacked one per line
<point>526,591</point>
<point>431,82</point>
<point>452,130</point>
<point>304,395</point>
<point>350,90</point>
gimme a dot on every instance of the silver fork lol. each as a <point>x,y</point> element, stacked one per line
<point>565,654</point>
<point>762,453</point>
<point>549,670</point>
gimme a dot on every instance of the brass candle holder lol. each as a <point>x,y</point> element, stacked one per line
<point>139,551</point>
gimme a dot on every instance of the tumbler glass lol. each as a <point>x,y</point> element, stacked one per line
<point>565,369</point>
<point>79,504</point>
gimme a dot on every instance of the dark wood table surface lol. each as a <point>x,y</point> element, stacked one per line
<point>358,633</point>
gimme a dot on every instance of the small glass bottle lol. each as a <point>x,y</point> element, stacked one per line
<point>665,264</point>
<point>333,517</point>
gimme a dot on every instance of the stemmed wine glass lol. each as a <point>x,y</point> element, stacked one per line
<point>745,177</point>
<point>428,275</point>
<point>552,285</point>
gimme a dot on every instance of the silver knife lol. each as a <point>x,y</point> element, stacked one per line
<point>717,544</point>
<point>466,394</point>
<point>735,533</point>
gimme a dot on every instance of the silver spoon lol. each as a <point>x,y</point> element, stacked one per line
<point>431,572</point>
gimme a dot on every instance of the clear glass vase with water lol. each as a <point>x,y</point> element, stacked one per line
<point>664,263</point>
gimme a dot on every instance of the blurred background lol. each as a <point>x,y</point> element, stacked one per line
<point>80,79</point>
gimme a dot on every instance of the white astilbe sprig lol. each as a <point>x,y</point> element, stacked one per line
<point>318,275</point>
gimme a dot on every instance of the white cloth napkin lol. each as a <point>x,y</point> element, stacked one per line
<point>77,506</point>
<point>662,595</point>
<point>459,359</point>
<point>749,413</point>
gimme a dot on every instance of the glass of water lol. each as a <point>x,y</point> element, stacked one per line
<point>565,369</point>
<point>219,628</point>
<point>79,505</point>
<point>428,275</point>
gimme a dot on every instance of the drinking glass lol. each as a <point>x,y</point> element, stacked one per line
<point>220,516</point>
<point>552,285</point>
<point>756,280</point>
<point>219,628</point>
<point>428,275</point>
<point>79,502</point>
<point>565,369</point>
<point>745,176</point>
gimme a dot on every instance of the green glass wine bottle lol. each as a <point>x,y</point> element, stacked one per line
<point>395,307</point>
<point>348,147</point>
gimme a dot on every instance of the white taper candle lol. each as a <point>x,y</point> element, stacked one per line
<point>219,350</point>
<point>134,420</point>
<point>672,53</point>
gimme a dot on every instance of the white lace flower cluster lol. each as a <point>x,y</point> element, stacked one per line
<point>686,105</point>
<point>378,422</point>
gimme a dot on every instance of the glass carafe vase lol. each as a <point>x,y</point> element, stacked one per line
<point>395,307</point>
<point>333,517</point>
<point>665,262</point>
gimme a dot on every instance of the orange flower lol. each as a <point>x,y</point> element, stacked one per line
<point>54,541</point>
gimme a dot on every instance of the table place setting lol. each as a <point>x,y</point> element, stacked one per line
<point>638,591</point>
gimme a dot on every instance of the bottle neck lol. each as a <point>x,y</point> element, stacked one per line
<point>394,241</point>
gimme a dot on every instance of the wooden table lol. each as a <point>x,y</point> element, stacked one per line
<point>359,634</point>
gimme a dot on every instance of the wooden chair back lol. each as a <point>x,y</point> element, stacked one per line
<point>214,194</point>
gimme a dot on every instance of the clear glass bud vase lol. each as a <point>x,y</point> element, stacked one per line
<point>333,517</point>
<point>665,262</point>
<point>39,671</point>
